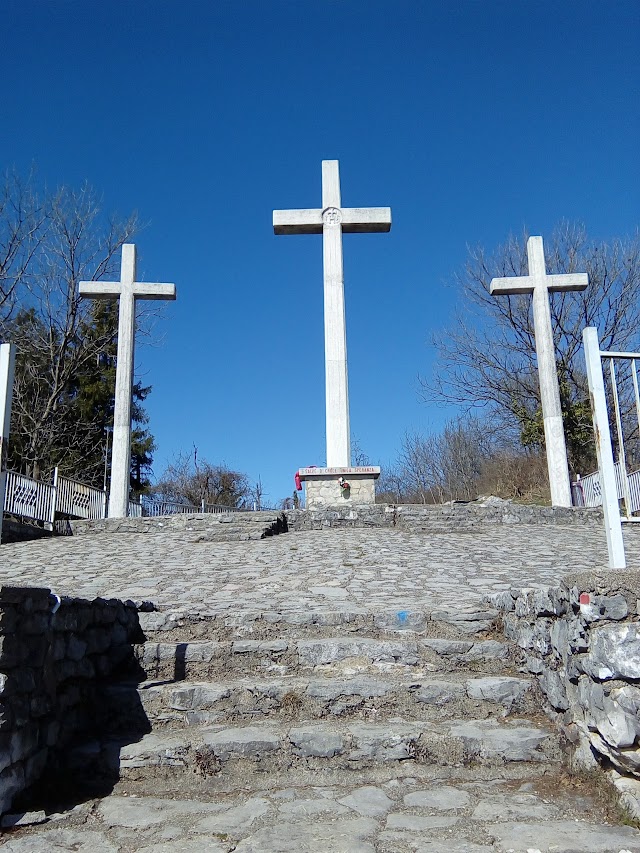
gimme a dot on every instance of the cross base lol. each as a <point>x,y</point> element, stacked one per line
<point>336,486</point>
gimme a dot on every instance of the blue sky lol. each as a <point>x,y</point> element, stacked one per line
<point>470,120</point>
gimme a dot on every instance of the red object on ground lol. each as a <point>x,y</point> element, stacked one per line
<point>585,598</point>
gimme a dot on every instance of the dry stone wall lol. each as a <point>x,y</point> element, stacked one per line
<point>455,515</point>
<point>54,654</point>
<point>582,641</point>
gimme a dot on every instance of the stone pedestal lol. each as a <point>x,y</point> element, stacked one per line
<point>337,486</point>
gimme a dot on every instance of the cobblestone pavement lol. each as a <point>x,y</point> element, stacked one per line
<point>352,569</point>
<point>402,814</point>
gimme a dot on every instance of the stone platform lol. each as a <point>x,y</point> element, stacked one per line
<point>181,563</point>
<point>323,691</point>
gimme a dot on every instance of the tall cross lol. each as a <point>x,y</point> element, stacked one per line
<point>332,220</point>
<point>7,366</point>
<point>540,284</point>
<point>127,290</point>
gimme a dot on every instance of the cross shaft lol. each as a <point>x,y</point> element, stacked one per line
<point>539,283</point>
<point>127,290</point>
<point>332,220</point>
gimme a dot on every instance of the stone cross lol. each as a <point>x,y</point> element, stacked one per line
<point>127,290</point>
<point>332,220</point>
<point>7,364</point>
<point>540,284</point>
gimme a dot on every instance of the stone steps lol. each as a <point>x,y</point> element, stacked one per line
<point>202,659</point>
<point>364,697</point>
<point>207,751</point>
<point>462,623</point>
<point>197,527</point>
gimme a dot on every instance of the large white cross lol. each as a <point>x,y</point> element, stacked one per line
<point>332,220</point>
<point>539,283</point>
<point>7,365</point>
<point>127,290</point>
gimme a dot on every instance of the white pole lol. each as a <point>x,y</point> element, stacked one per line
<point>611,509</point>
<point>7,369</point>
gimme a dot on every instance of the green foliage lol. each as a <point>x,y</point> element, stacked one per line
<point>66,347</point>
<point>577,421</point>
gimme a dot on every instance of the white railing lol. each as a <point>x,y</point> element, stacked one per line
<point>29,498</point>
<point>150,508</point>
<point>42,502</point>
<point>79,500</point>
<point>587,491</point>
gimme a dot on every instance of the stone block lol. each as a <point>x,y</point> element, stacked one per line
<point>11,783</point>
<point>8,619</point>
<point>247,742</point>
<point>368,801</point>
<point>447,647</point>
<point>318,652</point>
<point>30,598</point>
<point>501,690</point>
<point>23,679</point>
<point>241,647</point>
<point>364,685</point>
<point>23,742</point>
<point>13,651</point>
<point>197,696</point>
<point>76,648</point>
<point>438,692</point>
<point>485,739</point>
<point>316,742</point>
<point>35,623</point>
<point>40,705</point>
<point>35,764</point>
<point>98,640</point>
<point>614,652</point>
<point>553,687</point>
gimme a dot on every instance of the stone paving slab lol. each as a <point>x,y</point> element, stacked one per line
<point>326,570</point>
<point>402,814</point>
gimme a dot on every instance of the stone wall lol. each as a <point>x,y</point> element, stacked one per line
<point>53,655</point>
<point>326,491</point>
<point>582,641</point>
<point>439,517</point>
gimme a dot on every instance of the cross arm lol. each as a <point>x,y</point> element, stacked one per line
<point>511,286</point>
<point>303,221</point>
<point>100,289</point>
<point>361,220</point>
<point>142,290</point>
<point>571,281</point>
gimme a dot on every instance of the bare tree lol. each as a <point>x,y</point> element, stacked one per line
<point>437,467</point>
<point>59,338</point>
<point>23,224</point>
<point>257,493</point>
<point>191,480</point>
<point>488,357</point>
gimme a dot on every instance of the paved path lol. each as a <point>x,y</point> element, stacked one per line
<point>319,570</point>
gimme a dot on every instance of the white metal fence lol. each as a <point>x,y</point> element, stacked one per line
<point>614,482</point>
<point>44,502</point>
<point>151,508</point>
<point>29,498</point>
<point>587,491</point>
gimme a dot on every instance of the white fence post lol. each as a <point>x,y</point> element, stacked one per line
<point>7,366</point>
<point>54,498</point>
<point>610,506</point>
